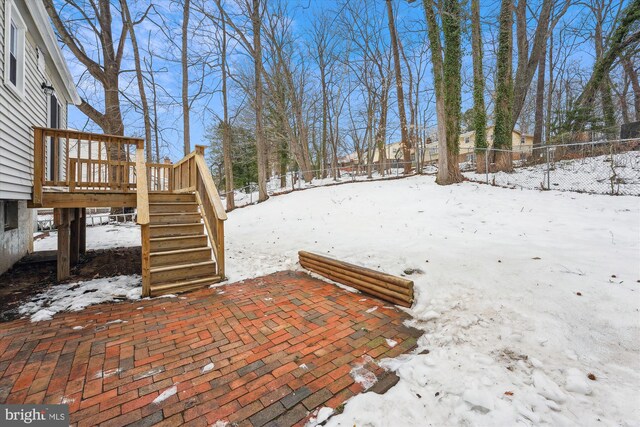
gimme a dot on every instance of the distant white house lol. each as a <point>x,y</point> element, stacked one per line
<point>35,90</point>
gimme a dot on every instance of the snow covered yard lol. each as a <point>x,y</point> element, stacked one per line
<point>589,175</point>
<point>99,237</point>
<point>524,293</point>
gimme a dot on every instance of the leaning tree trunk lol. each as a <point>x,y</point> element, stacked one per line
<point>539,114</point>
<point>140,80</point>
<point>635,85</point>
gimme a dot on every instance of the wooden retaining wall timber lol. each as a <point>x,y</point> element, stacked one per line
<point>384,286</point>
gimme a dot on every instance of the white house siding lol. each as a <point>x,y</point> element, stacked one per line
<point>17,117</point>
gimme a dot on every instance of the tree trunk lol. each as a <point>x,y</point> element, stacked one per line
<point>635,85</point>
<point>381,132</point>
<point>226,134</point>
<point>406,149</point>
<point>140,79</point>
<point>479,113</point>
<point>451,28</point>
<point>539,114</point>
<point>551,83</point>
<point>504,88</point>
<point>527,63</point>
<point>325,102</point>
<point>261,144</point>
<point>448,169</point>
<point>185,77</point>
<point>621,38</point>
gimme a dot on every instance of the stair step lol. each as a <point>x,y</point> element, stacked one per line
<point>160,244</point>
<point>169,230</point>
<point>182,272</point>
<point>180,256</point>
<point>175,218</point>
<point>172,207</point>
<point>171,197</point>
<point>184,285</point>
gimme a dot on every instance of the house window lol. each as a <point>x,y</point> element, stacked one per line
<point>14,49</point>
<point>10,215</point>
<point>466,140</point>
<point>522,140</point>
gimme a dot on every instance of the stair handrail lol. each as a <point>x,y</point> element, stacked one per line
<point>191,174</point>
<point>206,191</point>
<point>209,185</point>
<point>142,204</point>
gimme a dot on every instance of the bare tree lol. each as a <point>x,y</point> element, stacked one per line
<point>96,17</point>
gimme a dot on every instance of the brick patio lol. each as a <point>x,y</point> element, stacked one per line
<point>281,345</point>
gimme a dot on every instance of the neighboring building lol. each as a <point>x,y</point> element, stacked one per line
<point>393,154</point>
<point>35,90</point>
<point>520,143</point>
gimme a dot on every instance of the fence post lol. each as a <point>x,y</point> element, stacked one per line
<point>548,171</point>
<point>486,163</point>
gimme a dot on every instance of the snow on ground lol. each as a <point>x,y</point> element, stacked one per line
<point>524,294</point>
<point>77,296</point>
<point>590,175</point>
<point>116,235</point>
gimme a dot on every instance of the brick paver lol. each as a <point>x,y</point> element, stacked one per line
<point>281,346</point>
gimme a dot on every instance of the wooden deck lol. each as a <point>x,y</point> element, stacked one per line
<point>78,170</point>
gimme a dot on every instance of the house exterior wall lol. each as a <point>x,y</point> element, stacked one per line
<point>15,242</point>
<point>18,115</point>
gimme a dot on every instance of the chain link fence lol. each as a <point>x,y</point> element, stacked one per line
<point>600,167</point>
<point>295,180</point>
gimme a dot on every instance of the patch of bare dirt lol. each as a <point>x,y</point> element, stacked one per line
<point>36,273</point>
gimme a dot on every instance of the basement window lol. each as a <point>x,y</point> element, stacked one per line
<point>10,211</point>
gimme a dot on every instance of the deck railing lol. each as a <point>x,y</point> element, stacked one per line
<point>192,175</point>
<point>73,161</point>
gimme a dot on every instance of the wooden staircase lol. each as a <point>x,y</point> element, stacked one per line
<point>182,230</point>
<point>180,257</point>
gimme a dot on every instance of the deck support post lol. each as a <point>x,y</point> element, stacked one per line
<point>61,219</point>
<point>74,249</point>
<point>83,231</point>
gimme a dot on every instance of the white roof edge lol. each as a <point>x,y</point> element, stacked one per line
<point>43,25</point>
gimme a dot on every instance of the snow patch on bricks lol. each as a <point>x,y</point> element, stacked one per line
<point>166,394</point>
<point>363,376</point>
<point>206,368</point>
<point>79,295</point>
<point>319,416</point>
